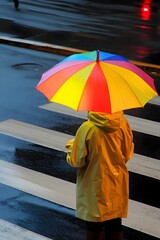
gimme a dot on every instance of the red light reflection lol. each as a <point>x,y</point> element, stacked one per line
<point>146,9</point>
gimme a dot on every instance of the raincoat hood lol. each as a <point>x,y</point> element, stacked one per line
<point>108,122</point>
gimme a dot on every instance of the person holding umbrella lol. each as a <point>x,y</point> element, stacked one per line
<point>16,3</point>
<point>101,148</point>
<point>104,84</point>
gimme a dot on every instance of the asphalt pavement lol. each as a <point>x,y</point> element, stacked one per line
<point>120,27</point>
<point>37,186</point>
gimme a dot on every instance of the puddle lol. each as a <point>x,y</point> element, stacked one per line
<point>27,66</point>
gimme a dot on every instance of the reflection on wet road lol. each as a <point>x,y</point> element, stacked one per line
<point>40,215</point>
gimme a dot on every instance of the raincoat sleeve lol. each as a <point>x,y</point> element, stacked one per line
<point>77,149</point>
<point>69,146</point>
<point>127,143</point>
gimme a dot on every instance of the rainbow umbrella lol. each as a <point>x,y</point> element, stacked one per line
<point>97,81</point>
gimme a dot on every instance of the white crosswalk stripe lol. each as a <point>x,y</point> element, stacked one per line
<point>56,140</point>
<point>137,124</point>
<point>155,101</point>
<point>9,231</point>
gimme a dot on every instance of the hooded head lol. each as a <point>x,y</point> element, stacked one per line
<point>109,122</point>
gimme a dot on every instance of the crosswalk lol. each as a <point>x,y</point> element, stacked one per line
<point>142,217</point>
<point>54,189</point>
<point>53,139</point>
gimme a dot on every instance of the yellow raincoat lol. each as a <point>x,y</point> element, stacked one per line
<point>100,150</point>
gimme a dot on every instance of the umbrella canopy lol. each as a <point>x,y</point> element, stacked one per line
<point>97,81</point>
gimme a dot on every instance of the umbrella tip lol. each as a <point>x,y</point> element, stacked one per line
<point>97,60</point>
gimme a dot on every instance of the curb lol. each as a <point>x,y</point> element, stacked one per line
<point>151,69</point>
<point>39,46</point>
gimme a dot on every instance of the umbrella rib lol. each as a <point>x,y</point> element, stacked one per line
<point>124,81</point>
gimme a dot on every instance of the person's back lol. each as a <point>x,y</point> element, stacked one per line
<point>101,148</point>
<point>16,3</point>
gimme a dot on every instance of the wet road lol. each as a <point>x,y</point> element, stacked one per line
<point>21,70</point>
<point>122,27</point>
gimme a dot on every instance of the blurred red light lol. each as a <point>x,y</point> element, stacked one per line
<point>145,12</point>
<point>145,9</point>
